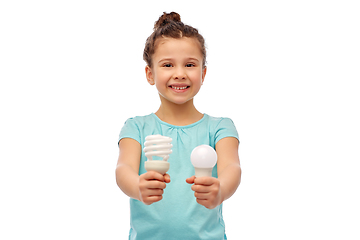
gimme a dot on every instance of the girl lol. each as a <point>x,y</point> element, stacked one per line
<point>189,208</point>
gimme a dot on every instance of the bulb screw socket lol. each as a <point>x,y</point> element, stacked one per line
<point>203,172</point>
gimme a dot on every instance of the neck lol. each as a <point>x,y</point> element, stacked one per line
<point>179,115</point>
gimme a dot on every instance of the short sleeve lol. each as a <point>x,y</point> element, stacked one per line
<point>226,128</point>
<point>130,130</point>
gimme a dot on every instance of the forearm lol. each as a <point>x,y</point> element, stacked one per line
<point>229,179</point>
<point>128,180</point>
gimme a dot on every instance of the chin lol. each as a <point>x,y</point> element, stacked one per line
<point>178,101</point>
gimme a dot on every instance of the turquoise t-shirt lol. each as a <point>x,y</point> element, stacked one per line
<point>177,215</point>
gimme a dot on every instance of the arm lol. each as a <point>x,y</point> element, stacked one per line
<point>147,187</point>
<point>211,192</point>
<point>127,167</point>
<point>228,166</point>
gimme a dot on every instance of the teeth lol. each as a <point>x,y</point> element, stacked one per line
<point>178,88</point>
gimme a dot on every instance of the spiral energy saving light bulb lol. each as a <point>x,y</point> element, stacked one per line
<point>203,158</point>
<point>157,145</point>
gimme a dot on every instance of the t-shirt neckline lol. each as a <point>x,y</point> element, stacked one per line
<point>175,126</point>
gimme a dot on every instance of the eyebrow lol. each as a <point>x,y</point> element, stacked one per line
<point>165,59</point>
<point>171,59</point>
<point>194,59</point>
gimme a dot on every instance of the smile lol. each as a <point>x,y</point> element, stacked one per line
<point>179,88</point>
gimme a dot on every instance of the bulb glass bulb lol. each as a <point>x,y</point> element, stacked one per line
<point>157,145</point>
<point>203,158</point>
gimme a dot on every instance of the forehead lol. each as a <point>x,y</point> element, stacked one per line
<point>181,47</point>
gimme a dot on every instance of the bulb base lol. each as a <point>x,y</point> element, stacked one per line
<point>157,166</point>
<point>203,172</point>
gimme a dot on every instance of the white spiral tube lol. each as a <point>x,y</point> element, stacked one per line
<point>157,145</point>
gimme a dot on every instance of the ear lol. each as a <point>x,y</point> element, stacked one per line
<point>149,75</point>
<point>203,74</point>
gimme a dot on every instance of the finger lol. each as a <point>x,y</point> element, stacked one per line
<point>154,184</point>
<point>151,192</point>
<point>154,192</point>
<point>201,196</point>
<point>151,199</point>
<point>166,178</point>
<point>206,181</point>
<point>205,203</point>
<point>200,188</point>
<point>152,175</point>
<point>190,180</point>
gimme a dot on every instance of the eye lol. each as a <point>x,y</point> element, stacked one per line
<point>167,65</point>
<point>190,65</point>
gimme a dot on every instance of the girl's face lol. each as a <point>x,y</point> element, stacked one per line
<point>177,70</point>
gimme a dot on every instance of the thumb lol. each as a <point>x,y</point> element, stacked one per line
<point>190,180</point>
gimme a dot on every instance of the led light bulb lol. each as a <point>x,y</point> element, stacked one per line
<point>157,145</point>
<point>203,158</point>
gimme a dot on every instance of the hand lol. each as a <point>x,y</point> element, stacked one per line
<point>151,186</point>
<point>206,190</point>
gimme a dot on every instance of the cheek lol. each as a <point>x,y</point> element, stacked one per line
<point>161,83</point>
<point>197,79</point>
<point>163,76</point>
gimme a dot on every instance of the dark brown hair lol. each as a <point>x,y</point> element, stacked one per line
<point>170,25</point>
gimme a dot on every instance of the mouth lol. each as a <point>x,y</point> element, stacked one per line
<point>179,88</point>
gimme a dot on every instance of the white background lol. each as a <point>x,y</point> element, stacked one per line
<point>286,72</point>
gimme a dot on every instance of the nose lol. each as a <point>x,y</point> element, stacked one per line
<point>180,73</point>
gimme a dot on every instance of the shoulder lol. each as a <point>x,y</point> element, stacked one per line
<point>134,126</point>
<point>140,120</point>
<point>222,127</point>
<point>216,121</point>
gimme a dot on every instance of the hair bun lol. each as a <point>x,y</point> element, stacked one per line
<point>166,18</point>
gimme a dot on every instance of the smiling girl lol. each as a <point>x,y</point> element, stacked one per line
<point>189,208</point>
